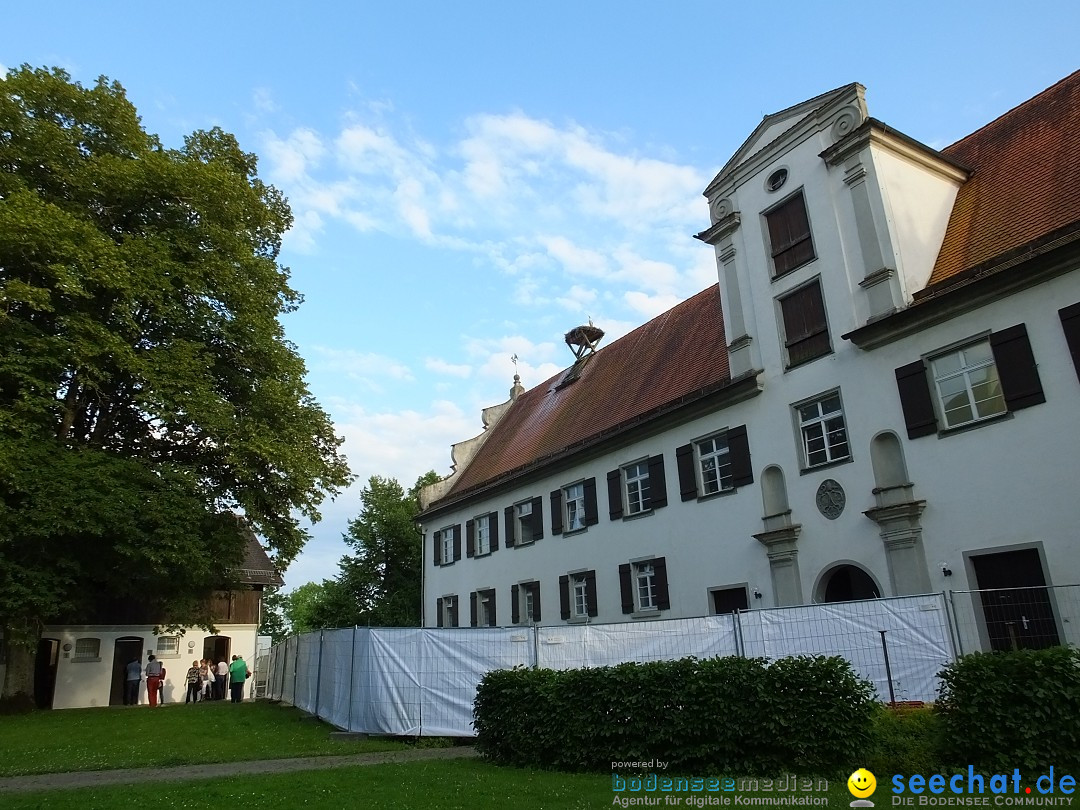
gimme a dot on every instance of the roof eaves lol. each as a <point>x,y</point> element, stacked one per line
<point>729,391</point>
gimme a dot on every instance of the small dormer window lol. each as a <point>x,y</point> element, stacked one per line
<point>789,235</point>
<point>776,180</point>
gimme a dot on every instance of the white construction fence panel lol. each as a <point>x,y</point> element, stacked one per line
<point>916,629</point>
<point>601,645</point>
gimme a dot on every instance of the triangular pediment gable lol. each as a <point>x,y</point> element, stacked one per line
<point>773,128</point>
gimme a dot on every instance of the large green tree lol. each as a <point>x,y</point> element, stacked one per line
<point>383,576</point>
<point>146,385</point>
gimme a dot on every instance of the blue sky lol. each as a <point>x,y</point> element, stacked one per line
<point>470,180</point>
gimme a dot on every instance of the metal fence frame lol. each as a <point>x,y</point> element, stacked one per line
<point>421,681</point>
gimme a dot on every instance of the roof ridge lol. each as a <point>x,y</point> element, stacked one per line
<point>1013,110</point>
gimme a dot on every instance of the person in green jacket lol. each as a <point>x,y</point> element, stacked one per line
<point>238,674</point>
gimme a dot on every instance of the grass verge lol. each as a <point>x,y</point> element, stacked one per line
<point>443,785</point>
<point>139,737</point>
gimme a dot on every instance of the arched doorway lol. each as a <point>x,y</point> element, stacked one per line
<point>125,649</point>
<point>847,583</point>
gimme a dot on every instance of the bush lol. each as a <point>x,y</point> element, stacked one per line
<point>1005,710</point>
<point>733,715</point>
<point>906,741</point>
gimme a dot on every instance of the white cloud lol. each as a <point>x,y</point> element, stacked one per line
<point>361,365</point>
<point>294,157</point>
<point>440,366</point>
<point>650,305</point>
<point>263,99</point>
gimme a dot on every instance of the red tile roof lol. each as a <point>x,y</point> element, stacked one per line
<point>1024,184</point>
<point>672,356</point>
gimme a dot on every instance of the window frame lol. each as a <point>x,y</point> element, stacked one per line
<point>642,485</point>
<point>769,231</point>
<point>822,418</point>
<point>446,544</point>
<point>964,372</point>
<point>525,606</point>
<point>573,508</point>
<point>579,582</point>
<point>743,588</point>
<point>162,652</point>
<point>653,570</point>
<point>447,610</point>
<point>700,457</point>
<point>482,524</point>
<point>87,649</point>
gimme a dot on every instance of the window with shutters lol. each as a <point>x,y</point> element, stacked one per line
<point>789,235</point>
<point>577,596</point>
<point>447,611</point>
<point>970,383</point>
<point>637,488</point>
<point>482,608</point>
<point>714,464</point>
<point>823,431</point>
<point>573,507</point>
<point>806,329</point>
<point>482,535</point>
<point>525,603</point>
<point>445,541</point>
<point>644,586</point>
<point>966,385</point>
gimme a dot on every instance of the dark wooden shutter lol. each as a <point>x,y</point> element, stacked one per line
<point>626,587</point>
<point>564,596</point>
<point>914,390</point>
<point>535,586</point>
<point>536,519</point>
<point>470,538</point>
<point>592,517</point>
<point>663,598</point>
<point>1016,368</point>
<point>457,541</point>
<point>742,472</point>
<point>789,235</point>
<point>806,330</point>
<point>438,612</point>
<point>515,609</point>
<point>657,483</point>
<point>511,536</point>
<point>614,494</point>
<point>472,608</point>
<point>493,530</point>
<point>684,461</point>
<point>1070,324</point>
<point>556,511</point>
<point>438,548</point>
<point>493,620</point>
<point>590,592</point>
<point>454,612</point>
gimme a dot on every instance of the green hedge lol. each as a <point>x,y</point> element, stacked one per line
<point>1019,709</point>
<point>906,741</point>
<point>806,715</point>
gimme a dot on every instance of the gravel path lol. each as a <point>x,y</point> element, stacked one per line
<point>65,781</point>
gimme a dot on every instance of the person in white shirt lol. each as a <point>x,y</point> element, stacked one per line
<point>221,683</point>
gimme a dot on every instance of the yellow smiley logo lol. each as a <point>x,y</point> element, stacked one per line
<point>861,783</point>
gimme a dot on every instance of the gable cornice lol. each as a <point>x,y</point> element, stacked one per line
<point>737,169</point>
<point>877,133</point>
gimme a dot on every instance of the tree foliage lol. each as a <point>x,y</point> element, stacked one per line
<point>380,584</point>
<point>146,385</point>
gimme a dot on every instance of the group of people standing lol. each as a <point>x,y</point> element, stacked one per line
<point>205,680</point>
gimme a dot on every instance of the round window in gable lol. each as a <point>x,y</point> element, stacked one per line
<point>776,180</point>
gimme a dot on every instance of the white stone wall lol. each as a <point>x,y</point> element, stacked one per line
<point>88,683</point>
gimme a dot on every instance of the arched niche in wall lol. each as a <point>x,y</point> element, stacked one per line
<point>846,581</point>
<point>774,499</point>
<point>887,458</point>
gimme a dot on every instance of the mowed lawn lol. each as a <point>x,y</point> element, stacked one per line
<point>175,734</point>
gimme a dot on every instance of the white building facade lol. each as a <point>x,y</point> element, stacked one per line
<point>878,399</point>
